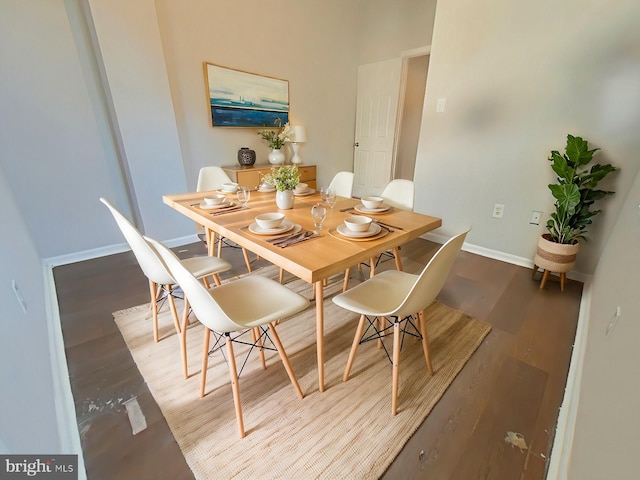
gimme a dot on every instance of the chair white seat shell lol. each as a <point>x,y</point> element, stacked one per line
<point>160,279</point>
<point>250,303</point>
<point>342,184</point>
<point>398,297</point>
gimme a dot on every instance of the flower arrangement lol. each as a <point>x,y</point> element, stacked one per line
<point>283,178</point>
<point>277,139</point>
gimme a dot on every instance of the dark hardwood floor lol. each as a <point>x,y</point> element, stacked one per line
<point>513,383</point>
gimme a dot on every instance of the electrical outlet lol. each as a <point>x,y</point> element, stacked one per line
<point>498,211</point>
<point>535,217</point>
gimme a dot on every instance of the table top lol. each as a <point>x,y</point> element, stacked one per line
<point>312,260</point>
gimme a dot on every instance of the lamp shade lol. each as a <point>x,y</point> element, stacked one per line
<point>299,134</point>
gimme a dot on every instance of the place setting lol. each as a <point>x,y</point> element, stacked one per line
<point>360,228</point>
<point>371,206</point>
<point>284,232</point>
<point>220,204</point>
<point>302,190</point>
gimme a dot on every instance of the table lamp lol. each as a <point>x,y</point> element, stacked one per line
<point>299,136</point>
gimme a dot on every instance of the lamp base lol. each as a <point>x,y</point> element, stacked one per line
<point>296,158</point>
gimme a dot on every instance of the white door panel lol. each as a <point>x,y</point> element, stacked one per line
<point>378,90</point>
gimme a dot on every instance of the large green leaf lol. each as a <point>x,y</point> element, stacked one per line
<point>567,197</point>
<point>578,150</point>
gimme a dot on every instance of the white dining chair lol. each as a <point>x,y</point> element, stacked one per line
<point>342,184</point>
<point>396,299</point>
<point>212,178</point>
<point>251,305</point>
<point>162,285</point>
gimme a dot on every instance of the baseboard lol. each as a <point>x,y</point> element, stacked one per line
<point>503,257</point>
<point>110,250</point>
<point>64,404</point>
<point>558,467</point>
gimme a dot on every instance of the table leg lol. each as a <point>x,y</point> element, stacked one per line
<point>319,294</point>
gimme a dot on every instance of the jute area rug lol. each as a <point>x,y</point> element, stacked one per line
<point>345,432</point>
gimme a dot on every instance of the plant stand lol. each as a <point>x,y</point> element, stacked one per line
<point>545,277</point>
<point>554,257</point>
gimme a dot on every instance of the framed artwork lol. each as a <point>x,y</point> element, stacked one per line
<point>242,99</point>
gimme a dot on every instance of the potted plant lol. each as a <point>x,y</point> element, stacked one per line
<point>284,179</point>
<point>276,140</point>
<point>575,193</point>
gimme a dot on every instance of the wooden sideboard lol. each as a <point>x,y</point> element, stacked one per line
<point>251,176</point>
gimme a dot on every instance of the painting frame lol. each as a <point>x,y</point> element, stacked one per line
<point>243,99</point>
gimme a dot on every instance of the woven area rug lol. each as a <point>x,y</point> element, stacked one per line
<point>345,432</point>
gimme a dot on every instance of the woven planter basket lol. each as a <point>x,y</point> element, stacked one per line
<point>555,257</point>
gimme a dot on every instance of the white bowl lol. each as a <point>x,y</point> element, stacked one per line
<point>358,223</point>
<point>269,220</point>
<point>229,187</point>
<point>301,188</point>
<point>372,202</point>
<point>214,199</point>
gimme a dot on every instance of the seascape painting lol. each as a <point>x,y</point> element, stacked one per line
<point>241,99</point>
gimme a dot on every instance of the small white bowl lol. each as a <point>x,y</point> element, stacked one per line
<point>269,220</point>
<point>358,223</point>
<point>301,188</point>
<point>229,187</point>
<point>372,202</point>
<point>214,199</point>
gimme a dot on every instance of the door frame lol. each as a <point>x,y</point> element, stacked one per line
<point>405,56</point>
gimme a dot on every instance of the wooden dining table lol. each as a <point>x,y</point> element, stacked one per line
<point>313,260</point>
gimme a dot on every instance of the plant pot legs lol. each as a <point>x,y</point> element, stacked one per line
<point>545,277</point>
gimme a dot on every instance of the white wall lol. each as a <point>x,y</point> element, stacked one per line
<point>607,424</point>
<point>518,77</point>
<point>28,420</point>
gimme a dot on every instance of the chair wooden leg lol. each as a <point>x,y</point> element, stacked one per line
<point>345,282</point>
<point>545,277</point>
<point>285,360</point>
<point>372,268</point>
<point>233,373</point>
<point>183,338</point>
<point>205,280</point>
<point>154,309</point>
<point>216,279</point>
<point>255,334</point>
<point>246,259</point>
<point>425,341</point>
<point>281,276</point>
<point>354,347</point>
<point>174,311</point>
<point>396,254</point>
<point>396,367</point>
<point>205,360</point>
<point>563,279</point>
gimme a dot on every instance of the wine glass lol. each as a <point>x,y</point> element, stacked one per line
<point>323,194</point>
<point>318,213</point>
<point>331,197</point>
<point>243,195</point>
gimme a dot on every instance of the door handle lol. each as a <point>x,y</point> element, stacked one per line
<point>357,144</point>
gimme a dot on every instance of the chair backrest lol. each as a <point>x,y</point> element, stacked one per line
<point>211,178</point>
<point>432,278</point>
<point>203,304</point>
<point>148,259</point>
<point>399,193</point>
<point>342,183</point>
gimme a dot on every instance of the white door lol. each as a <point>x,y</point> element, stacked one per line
<point>377,106</point>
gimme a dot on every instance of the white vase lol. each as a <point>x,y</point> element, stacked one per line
<point>276,157</point>
<point>284,199</point>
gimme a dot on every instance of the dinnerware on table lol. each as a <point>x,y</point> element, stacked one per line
<point>269,220</point>
<point>372,202</point>
<point>318,213</point>
<point>229,187</point>
<point>301,188</point>
<point>221,206</point>
<point>285,227</point>
<point>373,230</point>
<point>358,223</point>
<point>243,195</point>
<point>360,208</point>
<point>211,200</point>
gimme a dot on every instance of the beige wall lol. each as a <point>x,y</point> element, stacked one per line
<point>518,77</point>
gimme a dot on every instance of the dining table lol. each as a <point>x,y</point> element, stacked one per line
<point>324,254</point>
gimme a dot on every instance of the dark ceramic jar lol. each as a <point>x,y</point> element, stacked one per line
<point>246,156</point>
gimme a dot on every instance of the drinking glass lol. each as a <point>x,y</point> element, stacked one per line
<point>243,195</point>
<point>323,194</point>
<point>318,213</point>
<point>331,197</point>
